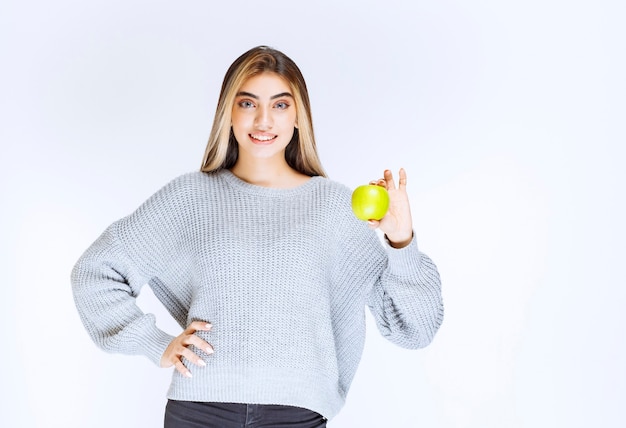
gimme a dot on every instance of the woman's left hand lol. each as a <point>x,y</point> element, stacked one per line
<point>397,224</point>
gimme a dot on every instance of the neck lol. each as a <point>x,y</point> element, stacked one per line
<point>268,173</point>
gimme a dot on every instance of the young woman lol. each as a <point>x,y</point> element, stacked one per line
<point>261,261</point>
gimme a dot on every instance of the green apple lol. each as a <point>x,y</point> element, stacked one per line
<point>370,202</point>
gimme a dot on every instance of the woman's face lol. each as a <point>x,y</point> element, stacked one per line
<point>264,116</point>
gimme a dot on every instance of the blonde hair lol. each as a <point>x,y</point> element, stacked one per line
<point>222,149</point>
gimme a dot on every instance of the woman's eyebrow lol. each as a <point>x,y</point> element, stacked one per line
<point>256,97</point>
<point>282,94</point>
<point>247,94</point>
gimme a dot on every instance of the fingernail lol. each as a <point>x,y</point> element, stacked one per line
<point>188,374</point>
<point>209,350</point>
<point>201,363</point>
<point>209,326</point>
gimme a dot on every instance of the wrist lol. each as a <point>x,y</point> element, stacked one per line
<point>399,242</point>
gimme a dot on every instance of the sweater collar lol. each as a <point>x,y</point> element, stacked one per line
<point>245,187</point>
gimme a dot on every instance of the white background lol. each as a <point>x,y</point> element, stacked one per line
<point>509,117</point>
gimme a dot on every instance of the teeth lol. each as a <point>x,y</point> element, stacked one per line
<point>262,137</point>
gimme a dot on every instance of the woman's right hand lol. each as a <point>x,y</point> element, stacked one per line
<point>178,348</point>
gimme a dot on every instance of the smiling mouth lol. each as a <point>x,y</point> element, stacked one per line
<point>262,139</point>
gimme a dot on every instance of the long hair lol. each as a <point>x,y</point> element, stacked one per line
<point>222,149</point>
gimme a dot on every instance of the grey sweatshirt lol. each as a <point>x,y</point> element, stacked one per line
<point>284,276</point>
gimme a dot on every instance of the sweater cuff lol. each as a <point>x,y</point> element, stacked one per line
<point>404,260</point>
<point>154,343</point>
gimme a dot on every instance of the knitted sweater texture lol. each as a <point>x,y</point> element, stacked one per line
<point>284,276</point>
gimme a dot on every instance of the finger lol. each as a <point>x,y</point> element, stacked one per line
<point>198,326</point>
<point>180,367</point>
<point>191,356</point>
<point>201,344</point>
<point>380,182</point>
<point>373,224</point>
<point>402,180</point>
<point>389,180</point>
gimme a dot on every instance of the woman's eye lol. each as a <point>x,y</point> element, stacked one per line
<point>246,104</point>
<point>281,105</point>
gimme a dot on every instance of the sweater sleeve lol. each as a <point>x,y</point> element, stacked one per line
<point>406,299</point>
<point>402,285</point>
<point>132,252</point>
<point>105,287</point>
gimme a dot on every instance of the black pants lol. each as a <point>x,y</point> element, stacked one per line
<point>191,414</point>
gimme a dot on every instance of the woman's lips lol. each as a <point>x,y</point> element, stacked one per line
<point>262,138</point>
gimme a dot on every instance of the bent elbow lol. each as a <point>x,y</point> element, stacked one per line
<point>417,334</point>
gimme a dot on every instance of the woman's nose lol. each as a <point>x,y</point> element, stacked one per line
<point>263,119</point>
